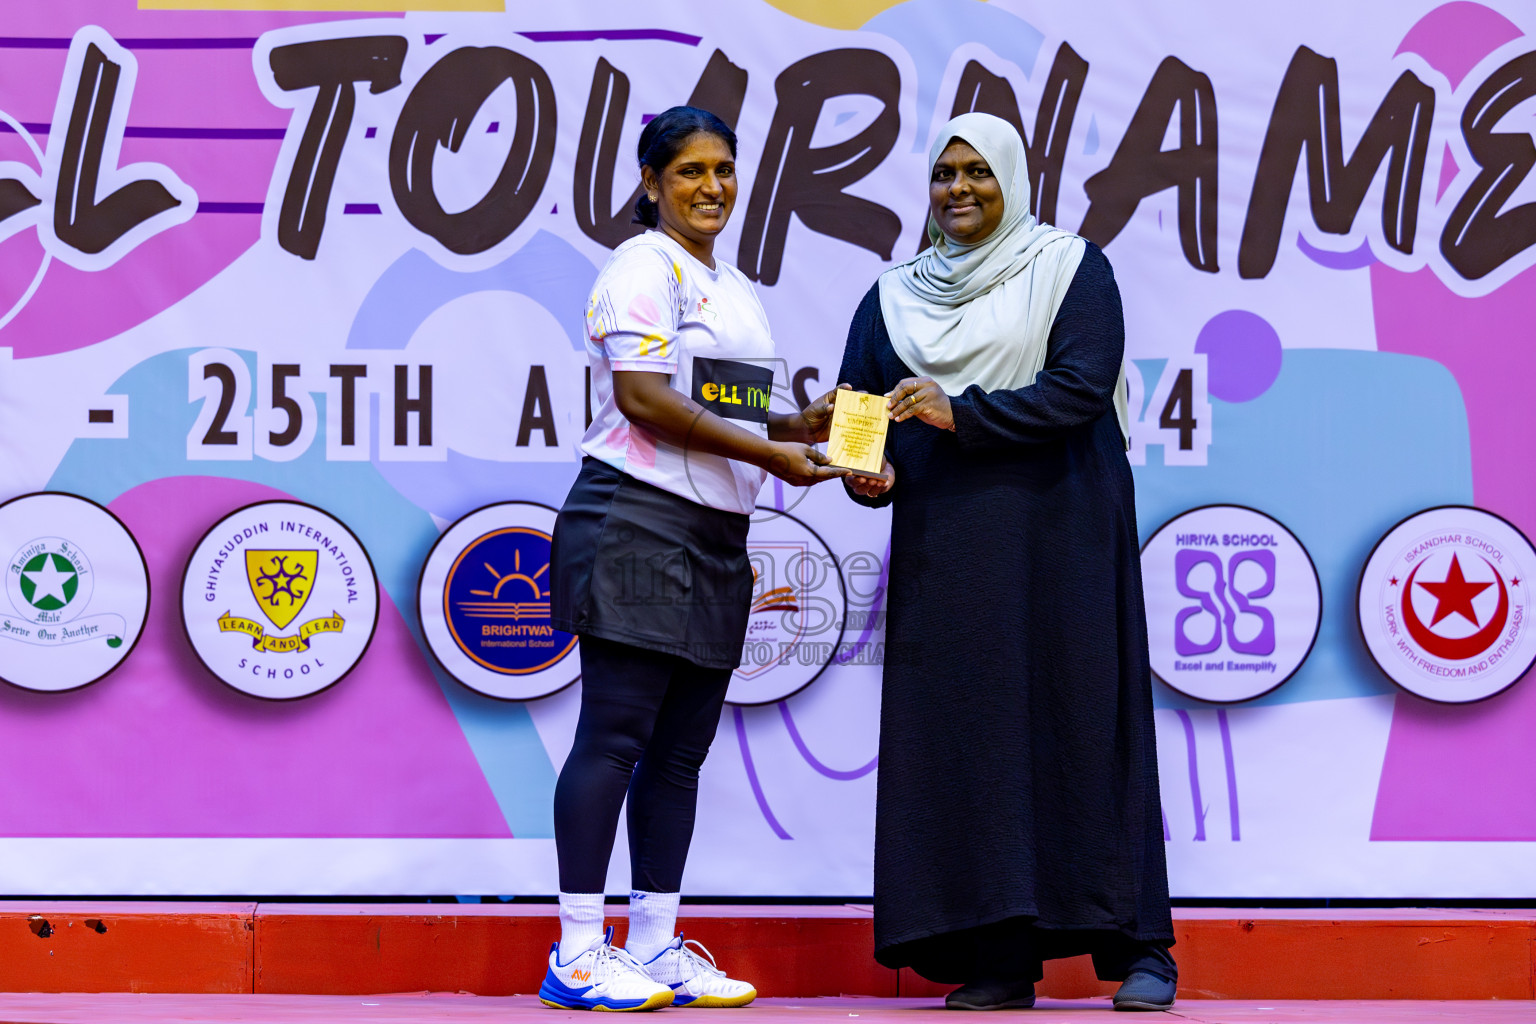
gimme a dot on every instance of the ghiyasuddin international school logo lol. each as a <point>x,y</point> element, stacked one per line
<point>484,601</point>
<point>281,582</point>
<point>279,600</point>
<point>77,591</point>
<point>1443,604</point>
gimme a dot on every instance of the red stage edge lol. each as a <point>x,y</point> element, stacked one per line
<point>358,949</point>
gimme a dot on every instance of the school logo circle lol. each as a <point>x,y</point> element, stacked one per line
<point>51,579</point>
<point>1443,604</point>
<point>279,600</point>
<point>799,610</point>
<point>483,598</point>
<point>1233,603</point>
<point>77,591</point>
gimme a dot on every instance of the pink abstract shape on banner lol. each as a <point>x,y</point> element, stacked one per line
<point>1460,772</point>
<point>1455,36</point>
<point>1449,168</point>
<point>123,19</point>
<point>75,308</point>
<point>1485,343</point>
<point>162,748</point>
<point>1448,769</point>
<point>230,173</point>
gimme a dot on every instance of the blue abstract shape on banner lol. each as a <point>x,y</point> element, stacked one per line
<point>1389,434</point>
<point>549,271</point>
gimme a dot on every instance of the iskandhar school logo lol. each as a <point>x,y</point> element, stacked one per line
<point>1444,604</point>
<point>77,591</point>
<point>484,602</point>
<point>279,600</point>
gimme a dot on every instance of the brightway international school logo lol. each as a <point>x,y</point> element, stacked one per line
<point>799,610</point>
<point>484,602</point>
<point>1443,604</point>
<point>1233,603</point>
<point>77,589</point>
<point>279,600</point>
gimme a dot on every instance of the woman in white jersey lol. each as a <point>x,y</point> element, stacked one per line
<point>649,565</point>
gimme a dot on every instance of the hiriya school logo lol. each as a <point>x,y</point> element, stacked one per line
<point>799,610</point>
<point>1443,601</point>
<point>77,590</point>
<point>279,600</point>
<point>1233,603</point>
<point>483,598</point>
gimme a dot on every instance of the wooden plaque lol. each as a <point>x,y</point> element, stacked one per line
<point>858,433</point>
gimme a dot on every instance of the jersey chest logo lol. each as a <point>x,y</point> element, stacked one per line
<point>733,389</point>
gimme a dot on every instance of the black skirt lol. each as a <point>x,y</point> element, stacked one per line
<point>637,565</point>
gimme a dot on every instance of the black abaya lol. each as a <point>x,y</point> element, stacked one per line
<point>1017,814</point>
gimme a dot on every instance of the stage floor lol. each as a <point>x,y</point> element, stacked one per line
<point>113,1008</point>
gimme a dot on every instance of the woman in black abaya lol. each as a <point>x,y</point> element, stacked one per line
<point>1018,817</point>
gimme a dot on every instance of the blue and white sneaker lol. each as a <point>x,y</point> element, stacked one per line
<point>689,971</point>
<point>601,978</point>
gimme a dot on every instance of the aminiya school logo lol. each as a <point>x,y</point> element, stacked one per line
<point>71,619</point>
<point>1443,603</point>
<point>279,600</point>
<point>47,575</point>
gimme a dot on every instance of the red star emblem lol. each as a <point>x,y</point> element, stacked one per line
<point>1453,595</point>
<point>1393,581</point>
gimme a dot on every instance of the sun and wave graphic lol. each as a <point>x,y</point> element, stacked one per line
<point>495,607</point>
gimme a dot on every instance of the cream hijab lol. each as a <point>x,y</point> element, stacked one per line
<point>981,314</point>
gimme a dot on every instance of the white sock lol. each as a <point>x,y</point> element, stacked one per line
<point>652,923</point>
<point>581,923</point>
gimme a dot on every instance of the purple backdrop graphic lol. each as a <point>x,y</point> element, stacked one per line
<point>341,259</point>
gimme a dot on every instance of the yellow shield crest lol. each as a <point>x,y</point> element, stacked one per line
<point>281,581</point>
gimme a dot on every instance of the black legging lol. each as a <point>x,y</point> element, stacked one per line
<point>647,720</point>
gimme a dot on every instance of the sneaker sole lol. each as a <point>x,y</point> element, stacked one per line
<point>1137,1004</point>
<point>655,1002</point>
<point>1012,1004</point>
<point>717,1002</point>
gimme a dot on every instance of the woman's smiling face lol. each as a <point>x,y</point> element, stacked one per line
<point>695,192</point>
<point>966,199</point>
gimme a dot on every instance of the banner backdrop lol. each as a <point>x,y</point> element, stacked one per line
<point>338,261</point>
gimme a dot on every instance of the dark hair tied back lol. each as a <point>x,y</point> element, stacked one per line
<point>664,137</point>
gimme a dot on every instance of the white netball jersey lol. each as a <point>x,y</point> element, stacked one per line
<point>656,308</point>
